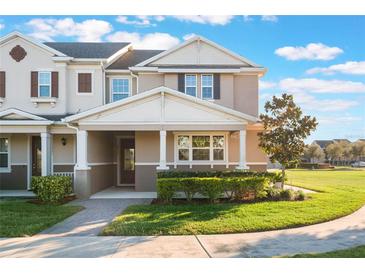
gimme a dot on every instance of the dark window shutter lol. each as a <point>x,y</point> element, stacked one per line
<point>84,80</point>
<point>217,86</point>
<point>2,84</point>
<point>181,82</point>
<point>55,84</point>
<point>34,84</point>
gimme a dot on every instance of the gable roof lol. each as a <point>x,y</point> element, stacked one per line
<point>15,34</point>
<point>191,40</point>
<point>13,116</point>
<point>87,50</point>
<point>323,143</point>
<point>133,57</point>
<point>158,90</point>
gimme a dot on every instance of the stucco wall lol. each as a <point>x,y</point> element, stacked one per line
<point>150,81</point>
<point>64,154</point>
<point>246,94</point>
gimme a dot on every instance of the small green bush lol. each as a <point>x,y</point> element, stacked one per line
<point>212,188</point>
<point>287,194</point>
<point>51,189</point>
<point>273,193</point>
<point>301,196</point>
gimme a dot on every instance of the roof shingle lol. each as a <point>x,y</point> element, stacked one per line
<point>133,57</point>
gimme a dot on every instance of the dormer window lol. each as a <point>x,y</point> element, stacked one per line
<point>120,89</point>
<point>44,84</point>
<point>207,86</point>
<point>190,84</point>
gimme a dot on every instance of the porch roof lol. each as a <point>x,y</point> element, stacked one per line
<point>161,106</point>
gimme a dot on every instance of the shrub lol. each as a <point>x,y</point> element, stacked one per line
<point>212,188</point>
<point>51,189</point>
<point>215,173</point>
<point>273,193</point>
<point>287,194</point>
<point>301,196</point>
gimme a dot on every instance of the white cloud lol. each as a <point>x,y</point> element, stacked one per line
<point>2,26</point>
<point>90,30</point>
<point>247,18</point>
<point>269,18</point>
<point>155,40</point>
<point>313,51</point>
<point>188,36</point>
<point>332,120</point>
<point>141,20</point>
<point>351,67</point>
<point>266,84</point>
<point>206,19</point>
<point>321,86</point>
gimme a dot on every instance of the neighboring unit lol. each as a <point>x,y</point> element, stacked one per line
<point>111,115</point>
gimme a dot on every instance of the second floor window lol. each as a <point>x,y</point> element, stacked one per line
<point>119,89</point>
<point>44,84</point>
<point>207,86</point>
<point>4,153</point>
<point>190,84</point>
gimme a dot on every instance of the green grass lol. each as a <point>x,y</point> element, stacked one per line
<point>19,218</point>
<point>355,252</point>
<point>340,192</point>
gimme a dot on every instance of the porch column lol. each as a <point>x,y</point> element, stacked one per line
<point>162,165</point>
<point>46,150</point>
<point>242,162</point>
<point>81,152</point>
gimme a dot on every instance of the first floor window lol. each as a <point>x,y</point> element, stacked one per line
<point>200,147</point>
<point>44,84</point>
<point>4,153</point>
<point>190,84</point>
<point>120,89</point>
<point>207,86</point>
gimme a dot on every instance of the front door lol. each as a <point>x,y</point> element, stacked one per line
<point>126,162</point>
<point>36,156</point>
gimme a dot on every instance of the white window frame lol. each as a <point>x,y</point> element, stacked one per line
<point>111,92</point>
<point>92,83</point>
<point>8,168</point>
<point>196,84</point>
<point>190,161</point>
<point>202,86</point>
<point>39,84</point>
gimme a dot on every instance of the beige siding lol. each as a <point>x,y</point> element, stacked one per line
<point>149,81</point>
<point>19,148</point>
<point>100,147</point>
<point>171,80</point>
<point>246,94</point>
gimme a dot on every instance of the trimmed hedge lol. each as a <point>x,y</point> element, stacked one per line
<point>215,173</point>
<point>212,187</point>
<point>51,189</point>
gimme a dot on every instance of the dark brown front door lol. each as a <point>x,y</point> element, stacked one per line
<point>127,162</point>
<point>36,156</point>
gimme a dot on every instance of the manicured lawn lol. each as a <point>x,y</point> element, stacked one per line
<point>355,252</point>
<point>340,193</point>
<point>19,218</point>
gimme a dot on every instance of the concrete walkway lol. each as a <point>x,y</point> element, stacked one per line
<point>342,233</point>
<point>89,222</point>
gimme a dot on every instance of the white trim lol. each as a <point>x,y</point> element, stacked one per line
<point>91,71</point>
<point>102,164</point>
<point>196,84</point>
<point>25,123</point>
<point>21,113</point>
<point>63,164</point>
<point>197,163</point>
<point>8,168</point>
<point>29,161</point>
<point>158,90</point>
<point>40,100</point>
<point>119,77</point>
<point>191,40</point>
<point>241,70</point>
<point>118,54</point>
<point>31,40</point>
<point>201,86</point>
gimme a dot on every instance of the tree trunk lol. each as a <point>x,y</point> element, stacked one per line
<point>283,176</point>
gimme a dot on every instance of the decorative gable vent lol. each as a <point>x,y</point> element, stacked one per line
<point>18,53</point>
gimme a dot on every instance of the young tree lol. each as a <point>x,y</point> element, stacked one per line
<point>314,153</point>
<point>285,129</point>
<point>334,152</point>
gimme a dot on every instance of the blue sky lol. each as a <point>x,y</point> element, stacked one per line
<point>319,59</point>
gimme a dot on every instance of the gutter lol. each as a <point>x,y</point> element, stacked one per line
<point>137,80</point>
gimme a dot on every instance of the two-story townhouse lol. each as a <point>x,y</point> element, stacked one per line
<point>112,115</point>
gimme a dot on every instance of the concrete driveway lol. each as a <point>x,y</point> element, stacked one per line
<point>342,233</point>
<point>90,221</point>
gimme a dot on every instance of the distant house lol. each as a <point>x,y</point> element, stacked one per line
<point>342,140</point>
<point>323,143</point>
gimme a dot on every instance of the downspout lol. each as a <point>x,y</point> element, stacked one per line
<point>135,76</point>
<point>103,81</point>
